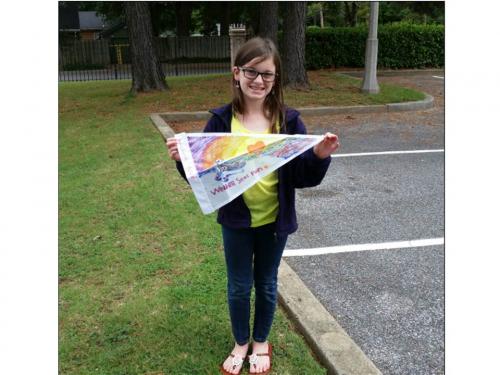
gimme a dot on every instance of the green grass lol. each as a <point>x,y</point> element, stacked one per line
<point>199,93</point>
<point>329,89</point>
<point>141,270</point>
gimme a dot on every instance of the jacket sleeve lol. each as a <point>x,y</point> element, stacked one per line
<point>209,127</point>
<point>180,168</point>
<point>307,169</point>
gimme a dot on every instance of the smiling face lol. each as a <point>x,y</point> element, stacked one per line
<point>250,89</point>
<point>255,89</point>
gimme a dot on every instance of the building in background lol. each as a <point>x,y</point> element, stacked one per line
<point>80,25</point>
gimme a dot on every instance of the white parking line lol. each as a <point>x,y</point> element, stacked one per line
<point>385,153</point>
<point>438,77</point>
<point>364,247</point>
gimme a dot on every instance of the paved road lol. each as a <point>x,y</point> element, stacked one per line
<point>391,302</point>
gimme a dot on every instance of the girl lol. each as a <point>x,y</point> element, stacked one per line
<point>256,224</point>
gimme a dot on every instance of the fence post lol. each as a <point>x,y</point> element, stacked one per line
<point>237,37</point>
<point>119,54</point>
<point>175,56</point>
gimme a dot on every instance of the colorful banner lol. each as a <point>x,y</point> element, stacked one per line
<point>221,166</point>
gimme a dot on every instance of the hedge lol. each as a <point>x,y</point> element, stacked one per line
<point>399,46</point>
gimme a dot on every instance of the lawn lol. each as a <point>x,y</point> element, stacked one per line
<point>200,93</point>
<point>141,270</point>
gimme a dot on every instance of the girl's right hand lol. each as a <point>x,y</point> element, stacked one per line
<point>173,151</point>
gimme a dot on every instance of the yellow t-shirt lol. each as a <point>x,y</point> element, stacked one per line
<point>261,198</point>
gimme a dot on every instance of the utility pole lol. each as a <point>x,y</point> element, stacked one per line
<point>370,85</point>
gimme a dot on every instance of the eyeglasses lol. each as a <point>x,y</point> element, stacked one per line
<point>252,74</point>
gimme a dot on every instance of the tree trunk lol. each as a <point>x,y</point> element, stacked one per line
<point>294,46</point>
<point>226,19</point>
<point>183,17</point>
<point>268,26</point>
<point>147,73</point>
<point>321,22</point>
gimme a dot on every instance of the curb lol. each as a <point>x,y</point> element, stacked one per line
<point>160,125</point>
<point>426,103</point>
<point>335,349</point>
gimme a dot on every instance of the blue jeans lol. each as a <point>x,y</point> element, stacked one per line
<point>252,255</point>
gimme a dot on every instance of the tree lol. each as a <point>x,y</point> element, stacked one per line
<point>350,12</point>
<point>211,13</point>
<point>427,11</point>
<point>183,11</point>
<point>333,13</point>
<point>111,10</point>
<point>268,26</point>
<point>162,16</point>
<point>294,45</point>
<point>226,13</point>
<point>147,73</point>
<point>412,11</point>
<point>314,15</point>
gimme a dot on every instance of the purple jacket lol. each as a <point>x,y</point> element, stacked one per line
<point>306,170</point>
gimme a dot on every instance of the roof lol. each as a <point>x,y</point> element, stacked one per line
<point>89,20</point>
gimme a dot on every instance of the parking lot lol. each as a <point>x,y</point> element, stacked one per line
<point>370,244</point>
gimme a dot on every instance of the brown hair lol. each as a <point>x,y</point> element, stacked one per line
<point>274,108</point>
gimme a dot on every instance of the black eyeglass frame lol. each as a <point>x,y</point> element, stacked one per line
<point>245,70</point>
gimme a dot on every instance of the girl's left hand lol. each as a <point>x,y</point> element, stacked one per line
<point>327,146</point>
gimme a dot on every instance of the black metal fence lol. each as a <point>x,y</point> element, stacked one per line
<point>88,60</point>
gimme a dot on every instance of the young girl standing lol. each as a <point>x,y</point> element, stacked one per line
<point>256,224</point>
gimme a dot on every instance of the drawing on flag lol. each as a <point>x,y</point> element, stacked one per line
<point>221,166</point>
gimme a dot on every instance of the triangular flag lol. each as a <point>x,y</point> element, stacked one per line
<point>221,166</point>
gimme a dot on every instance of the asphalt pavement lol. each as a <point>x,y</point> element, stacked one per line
<point>389,301</point>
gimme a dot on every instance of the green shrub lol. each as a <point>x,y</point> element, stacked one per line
<point>402,45</point>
